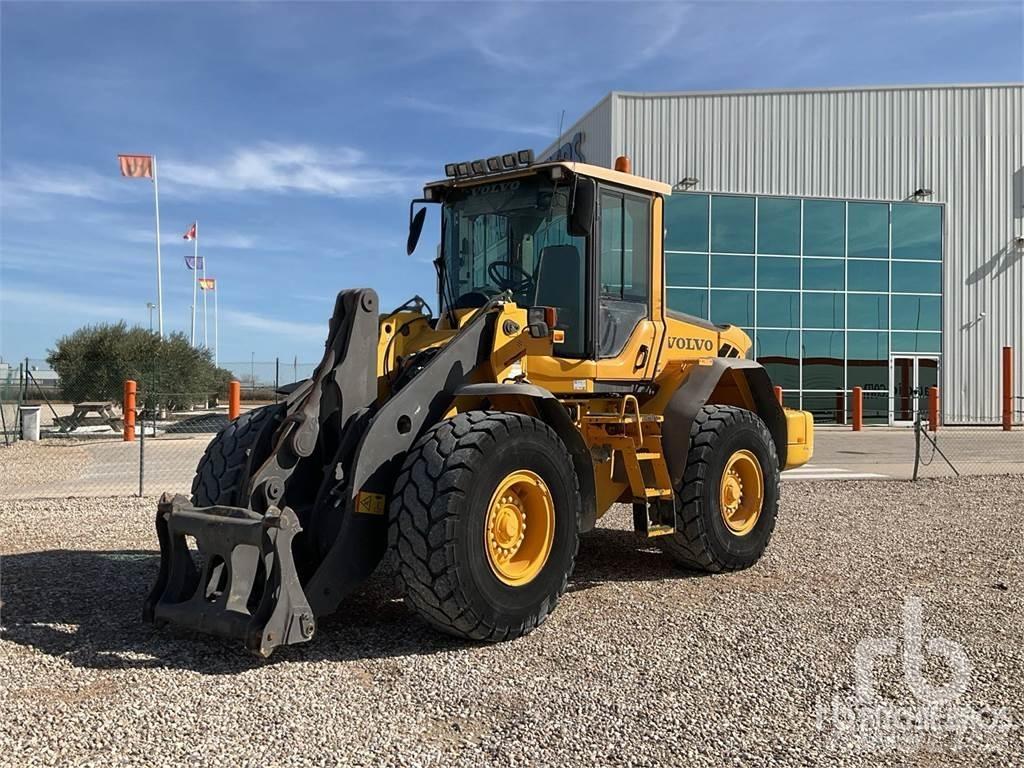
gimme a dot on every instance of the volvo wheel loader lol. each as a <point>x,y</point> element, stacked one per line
<point>473,446</point>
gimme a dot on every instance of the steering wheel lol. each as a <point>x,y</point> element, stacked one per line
<point>515,279</point>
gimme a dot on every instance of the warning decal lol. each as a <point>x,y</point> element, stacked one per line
<point>370,503</point>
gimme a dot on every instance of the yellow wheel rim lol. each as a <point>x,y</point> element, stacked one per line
<point>520,527</point>
<point>741,492</point>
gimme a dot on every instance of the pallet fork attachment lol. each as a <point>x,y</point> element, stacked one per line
<point>241,583</point>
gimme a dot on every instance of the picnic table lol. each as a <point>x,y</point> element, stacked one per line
<point>106,413</point>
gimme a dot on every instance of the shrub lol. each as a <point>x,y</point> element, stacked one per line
<point>94,362</point>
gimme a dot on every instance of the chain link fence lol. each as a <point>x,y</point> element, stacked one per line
<point>83,449</point>
<point>974,445</point>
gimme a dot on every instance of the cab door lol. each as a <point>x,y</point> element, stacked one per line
<point>625,331</point>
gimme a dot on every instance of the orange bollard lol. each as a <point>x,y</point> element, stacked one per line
<point>234,399</point>
<point>1007,389</point>
<point>128,409</point>
<point>778,393</point>
<point>933,409</point>
<point>857,407</point>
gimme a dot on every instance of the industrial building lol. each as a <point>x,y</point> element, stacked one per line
<point>869,237</point>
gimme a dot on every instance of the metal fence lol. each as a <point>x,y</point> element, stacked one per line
<point>973,445</point>
<point>83,450</point>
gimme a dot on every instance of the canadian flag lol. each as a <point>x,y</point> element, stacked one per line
<point>191,234</point>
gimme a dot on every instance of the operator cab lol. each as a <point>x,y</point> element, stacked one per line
<point>551,235</point>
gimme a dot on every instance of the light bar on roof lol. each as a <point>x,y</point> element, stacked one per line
<point>507,162</point>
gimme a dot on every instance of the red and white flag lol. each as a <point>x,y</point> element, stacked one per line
<point>207,284</point>
<point>191,234</point>
<point>136,166</point>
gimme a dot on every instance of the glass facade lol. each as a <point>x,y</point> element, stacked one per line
<point>829,290</point>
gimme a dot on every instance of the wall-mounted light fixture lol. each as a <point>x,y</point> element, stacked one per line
<point>686,183</point>
<point>921,193</point>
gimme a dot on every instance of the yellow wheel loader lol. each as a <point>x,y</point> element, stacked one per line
<point>475,445</point>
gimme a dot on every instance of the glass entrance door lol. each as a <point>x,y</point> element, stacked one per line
<point>910,376</point>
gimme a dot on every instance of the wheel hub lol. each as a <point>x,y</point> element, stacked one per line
<point>732,490</point>
<point>519,529</point>
<point>508,526</point>
<point>741,492</point>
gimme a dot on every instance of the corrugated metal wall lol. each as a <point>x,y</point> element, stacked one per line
<point>596,127</point>
<point>966,143</point>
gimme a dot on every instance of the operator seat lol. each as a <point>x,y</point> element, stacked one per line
<point>560,285</point>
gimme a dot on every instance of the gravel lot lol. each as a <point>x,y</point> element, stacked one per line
<point>641,664</point>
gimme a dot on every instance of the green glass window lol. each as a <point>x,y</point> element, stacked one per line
<point>824,228</point>
<point>916,342</point>
<point>689,301</point>
<point>686,222</point>
<point>867,363</point>
<point>778,225</point>
<point>779,353</point>
<point>823,359</point>
<point>611,242</point>
<point>824,274</point>
<point>824,310</point>
<point>868,275</point>
<point>689,269</point>
<point>778,309</point>
<point>916,277</point>
<point>735,307</point>
<point>916,313</point>
<point>867,311</point>
<point>732,271</point>
<point>778,272</point>
<point>868,235</point>
<point>916,231</point>
<point>732,224</point>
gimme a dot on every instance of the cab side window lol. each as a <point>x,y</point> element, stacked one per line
<point>624,269</point>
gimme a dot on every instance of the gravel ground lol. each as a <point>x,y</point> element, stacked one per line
<point>25,464</point>
<point>641,664</point>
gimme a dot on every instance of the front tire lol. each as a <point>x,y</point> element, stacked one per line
<point>730,495</point>
<point>484,524</point>
<point>226,461</point>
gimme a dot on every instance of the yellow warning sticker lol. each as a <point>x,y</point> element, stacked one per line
<point>370,503</point>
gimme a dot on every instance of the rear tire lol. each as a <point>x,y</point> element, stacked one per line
<point>224,466</point>
<point>445,511</point>
<point>709,540</point>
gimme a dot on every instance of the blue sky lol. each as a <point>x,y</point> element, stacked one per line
<point>297,132</point>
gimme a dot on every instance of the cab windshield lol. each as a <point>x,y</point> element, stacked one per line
<point>512,235</point>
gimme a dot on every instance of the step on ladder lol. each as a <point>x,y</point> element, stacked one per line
<point>637,439</point>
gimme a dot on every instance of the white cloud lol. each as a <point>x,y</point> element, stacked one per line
<point>40,301</point>
<point>273,326</point>
<point>267,167</point>
<point>960,13</point>
<point>478,119</point>
<point>221,240</point>
<point>26,189</point>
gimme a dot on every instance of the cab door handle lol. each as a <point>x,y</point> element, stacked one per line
<point>641,357</point>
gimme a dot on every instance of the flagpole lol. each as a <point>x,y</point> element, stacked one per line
<point>195,280</point>
<point>159,270</point>
<point>216,326</point>
<point>206,338</point>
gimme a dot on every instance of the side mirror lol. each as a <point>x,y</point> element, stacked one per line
<point>415,228</point>
<point>581,207</point>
